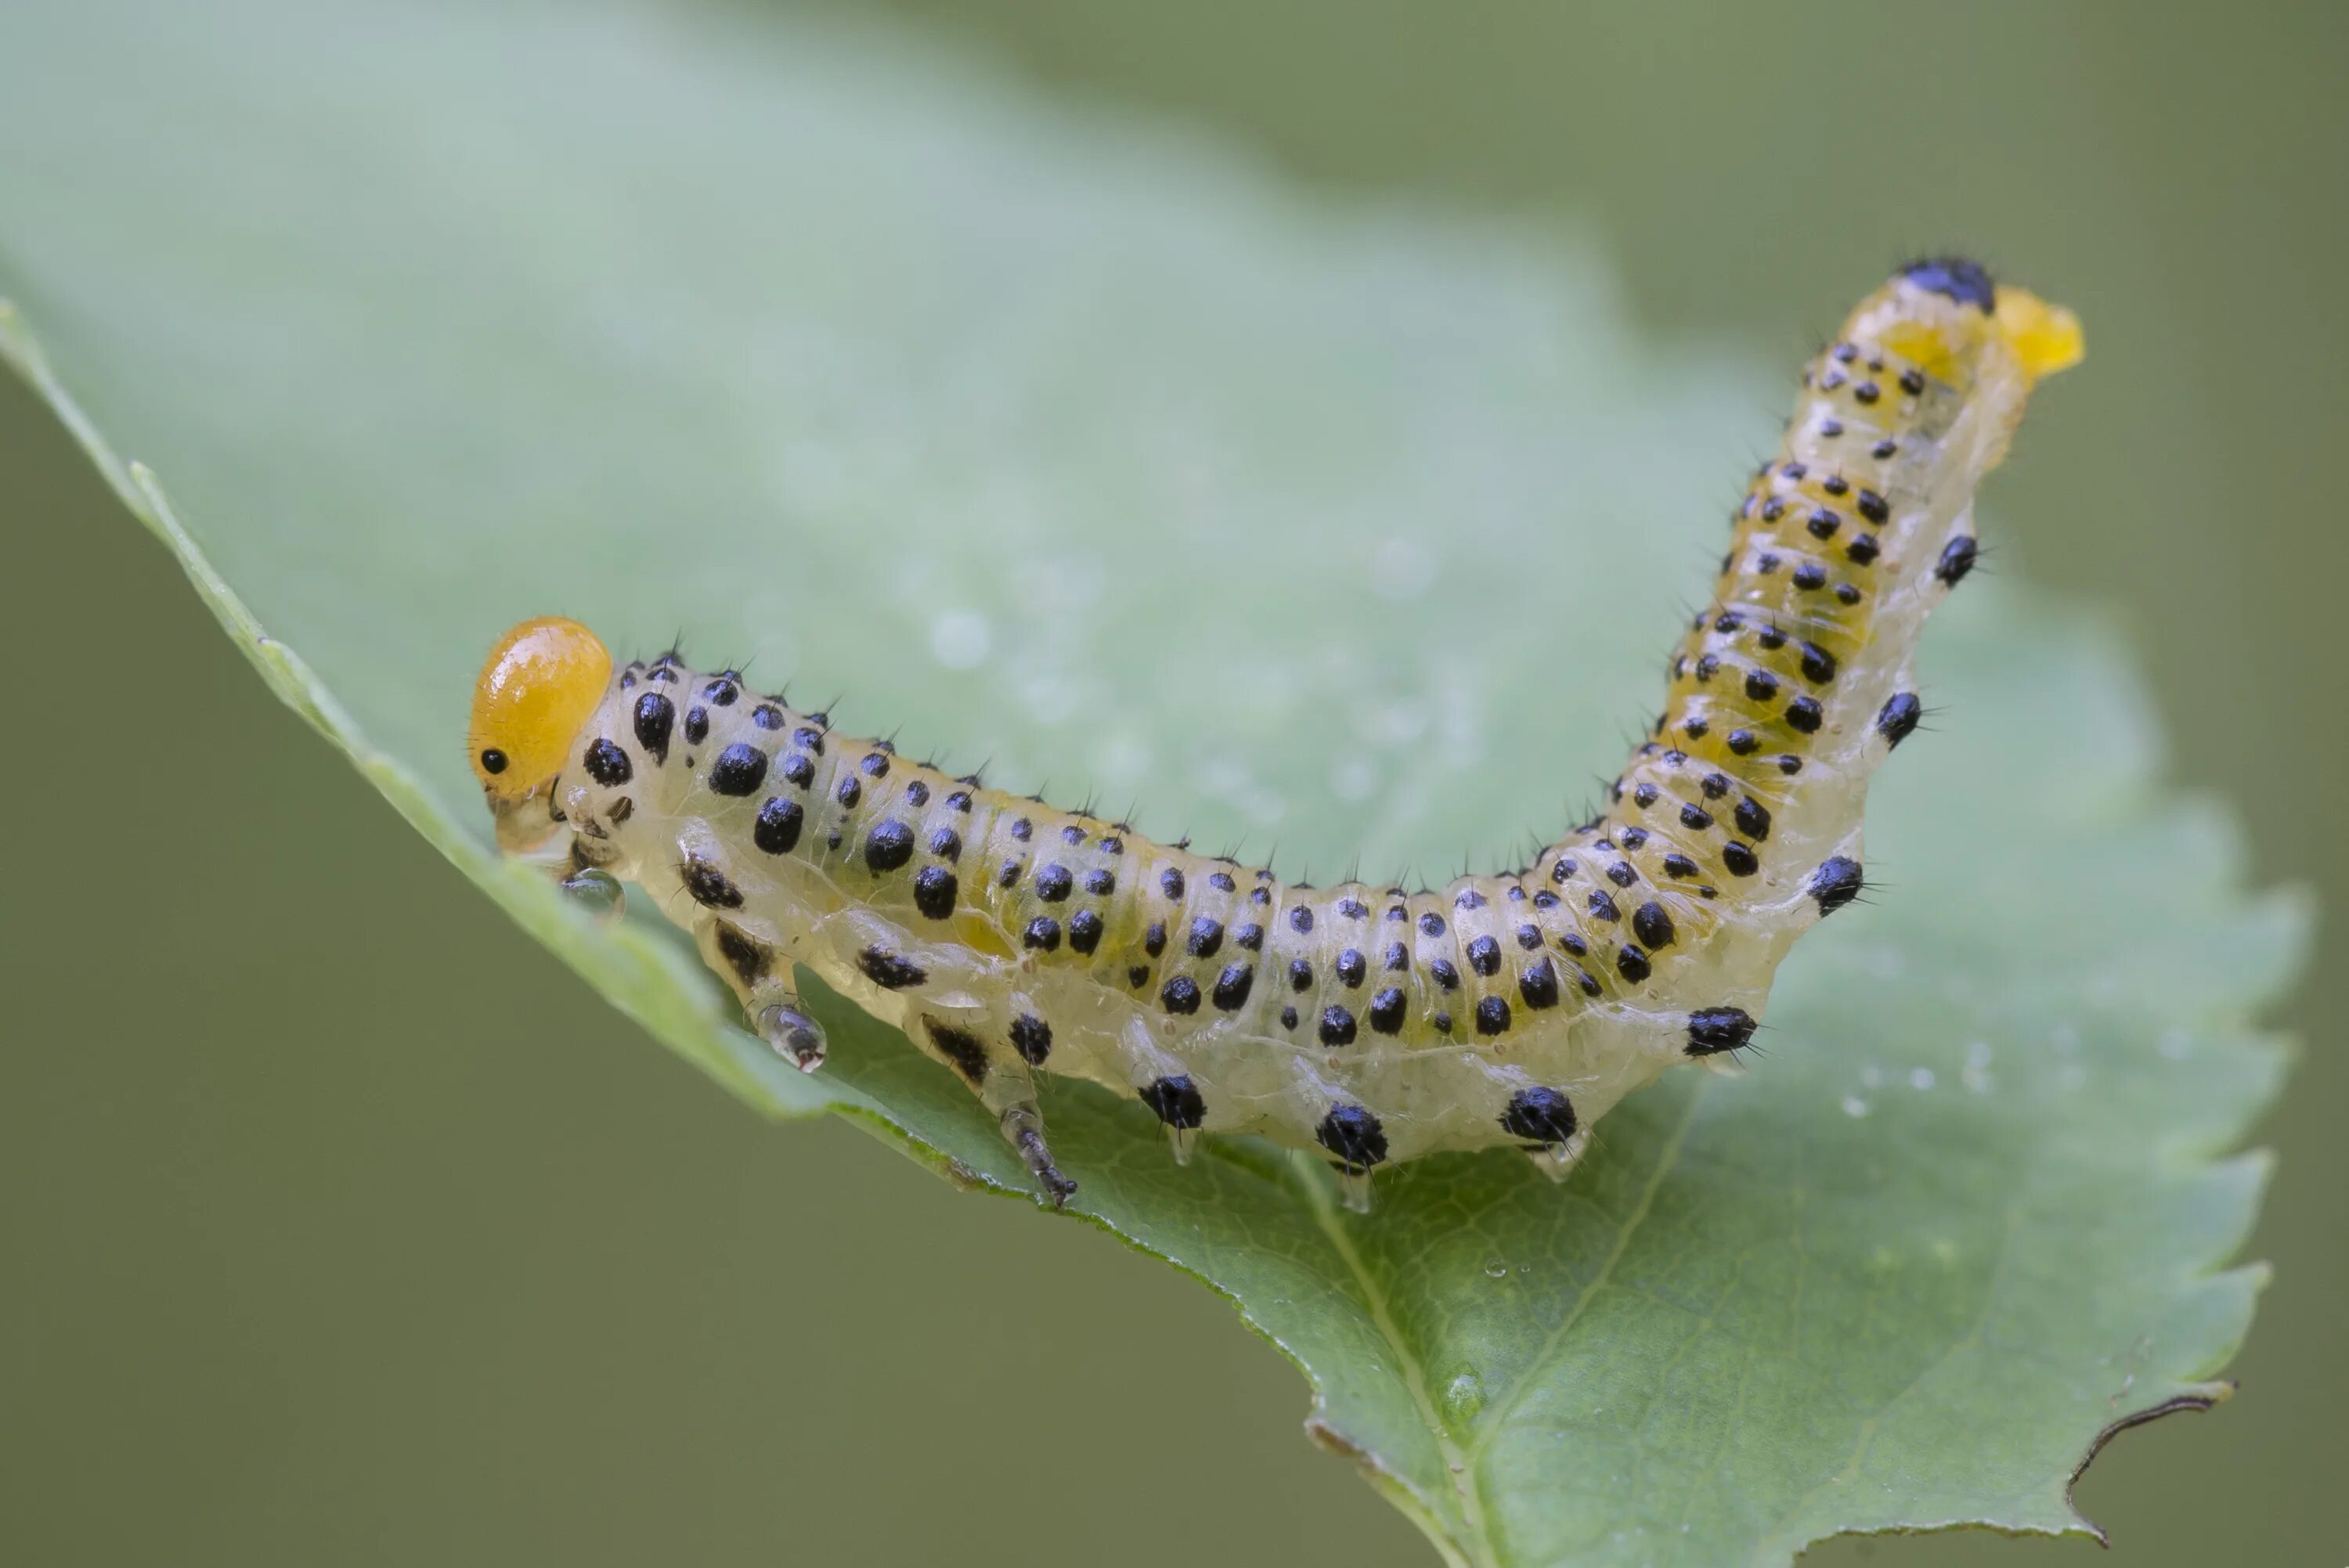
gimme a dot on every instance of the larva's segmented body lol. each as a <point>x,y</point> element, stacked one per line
<point>1007,938</point>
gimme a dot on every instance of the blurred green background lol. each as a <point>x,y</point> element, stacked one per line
<point>342,1225</point>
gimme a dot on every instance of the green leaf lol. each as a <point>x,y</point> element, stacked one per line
<point>1342,528</point>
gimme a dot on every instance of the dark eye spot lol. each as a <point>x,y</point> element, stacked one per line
<point>493,761</point>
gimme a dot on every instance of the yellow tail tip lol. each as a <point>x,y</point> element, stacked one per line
<point>2046,337</point>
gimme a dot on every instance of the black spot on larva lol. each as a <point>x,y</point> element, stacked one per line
<point>708,886</point>
<point>1753,818</point>
<point>1031,1036</point>
<point>1170,881</point>
<point>1862,550</point>
<point>1176,1100</point>
<point>889,845</point>
<point>1431,925</point>
<point>1696,820</point>
<point>1679,865</point>
<point>1442,1021</point>
<point>745,957</point>
<point>850,791</point>
<point>1538,985</point>
<point>1789,763</point>
<point>1712,1030</point>
<point>1695,729</point>
<point>1353,1135</point>
<point>1206,937</point>
<point>1739,860</point>
<point>1846,593</point>
<point>799,769</point>
<point>1084,931</point>
<point>1337,1026</point>
<point>655,716</point>
<point>1761,685</point>
<point>1250,937</point>
<point>917,793</point>
<point>1353,909</point>
<point>778,827</point>
<point>1546,899</point>
<point>1563,870</point>
<point>1154,940</point>
<point>1652,926</point>
<point>1099,884</point>
<point>1351,967</point>
<point>767,716</point>
<point>1796,471</point>
<point>1445,974</point>
<point>1233,986</point>
<point>947,844</point>
<point>1805,715</point>
<point>1773,510</point>
<point>1898,717</point>
<point>1912,381</point>
<point>1529,937</point>
<point>1072,835</point>
<point>721,692</point>
<point>696,725</point>
<point>1042,932</point>
<point>1386,1011</point>
<point>1818,665</point>
<point>1772,637</point>
<point>1022,829</point>
<point>607,764</point>
<point>1468,898</point>
<point>1835,484</point>
<point>1289,1017</point>
<point>888,970</point>
<point>1484,955</point>
<point>1222,882</point>
<point>811,739</point>
<point>1542,1116</point>
<point>1742,742</point>
<point>1602,905</point>
<point>1954,277</point>
<point>739,770</point>
<point>1301,974</point>
<point>1836,883</point>
<point>493,761</point>
<point>1810,576</point>
<point>1884,448</point>
<point>1137,975</point>
<point>1956,560</point>
<point>960,1047</point>
<point>1113,846</point>
<point>1008,875</point>
<point>1301,920</point>
<point>1823,522</point>
<point>1872,506</point>
<point>1830,429</point>
<point>1054,882</point>
<point>1632,964</point>
<point>874,764</point>
<point>959,800</point>
<point>1492,1015</point>
<point>934,890</point>
<point>620,810</point>
<point>1706,663</point>
<point>1645,795</point>
<point>1714,785</point>
<point>1622,874</point>
<point>1867,391</point>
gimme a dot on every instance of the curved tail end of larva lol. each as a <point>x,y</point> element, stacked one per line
<point>1365,1025</point>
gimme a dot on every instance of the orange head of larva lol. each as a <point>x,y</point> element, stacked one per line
<point>1947,317</point>
<point>537,692</point>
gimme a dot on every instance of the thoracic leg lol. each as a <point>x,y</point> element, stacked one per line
<point>971,1045</point>
<point>761,977</point>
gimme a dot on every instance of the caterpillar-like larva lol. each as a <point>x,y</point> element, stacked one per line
<point>1007,938</point>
